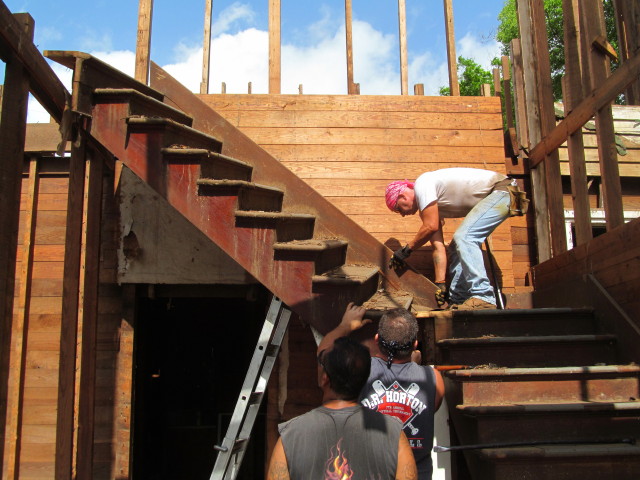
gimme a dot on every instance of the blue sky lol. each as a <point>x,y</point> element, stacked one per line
<point>313,45</point>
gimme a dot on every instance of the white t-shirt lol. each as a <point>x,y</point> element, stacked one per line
<point>457,190</point>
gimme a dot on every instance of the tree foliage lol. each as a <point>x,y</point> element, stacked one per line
<point>508,30</point>
<point>471,76</point>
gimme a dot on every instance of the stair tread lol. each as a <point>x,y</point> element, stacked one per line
<point>517,408</point>
<point>141,120</point>
<point>212,182</point>
<point>203,151</point>
<point>520,313</point>
<point>347,273</point>
<point>273,215</point>
<point>309,245</point>
<point>571,449</point>
<point>543,371</point>
<point>128,92</point>
<point>526,339</point>
<point>383,300</point>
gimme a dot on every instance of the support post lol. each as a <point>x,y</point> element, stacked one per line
<point>275,80</point>
<point>452,60</point>
<point>206,48</point>
<point>143,43</point>
<point>12,135</point>
<point>628,28</point>
<point>348,24</point>
<point>402,28</point>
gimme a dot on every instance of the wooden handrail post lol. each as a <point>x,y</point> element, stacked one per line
<point>348,25</point>
<point>143,43</point>
<point>452,60</point>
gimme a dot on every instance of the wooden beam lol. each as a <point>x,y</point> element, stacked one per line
<point>15,389</point>
<point>572,95</point>
<point>452,60</point>
<point>628,29</point>
<point>497,86</point>
<point>547,123</point>
<point>275,75</point>
<point>13,120</point>
<point>44,83</point>
<point>506,89</point>
<point>88,316</point>
<point>404,66</point>
<point>206,48</point>
<point>418,89</point>
<point>533,124</point>
<point>518,94</point>
<point>348,23</point>
<point>143,43</point>
<point>592,17</point>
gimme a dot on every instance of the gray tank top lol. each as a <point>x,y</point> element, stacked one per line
<point>406,391</point>
<point>326,444</point>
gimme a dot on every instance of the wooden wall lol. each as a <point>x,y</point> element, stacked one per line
<point>350,147</point>
<point>36,395</point>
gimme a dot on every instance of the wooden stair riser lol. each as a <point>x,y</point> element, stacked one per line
<point>140,105</point>
<point>591,467</point>
<point>542,427</point>
<point>249,197</point>
<point>550,389</point>
<point>286,229</point>
<point>212,165</point>
<point>505,326</point>
<point>163,135</point>
<point>530,355</point>
<point>323,260</point>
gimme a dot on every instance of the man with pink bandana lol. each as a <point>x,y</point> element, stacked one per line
<point>479,196</point>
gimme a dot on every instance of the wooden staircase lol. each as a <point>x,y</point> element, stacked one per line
<point>543,395</point>
<point>286,235</point>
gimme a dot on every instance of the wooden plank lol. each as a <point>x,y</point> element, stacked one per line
<point>143,41</point>
<point>380,136</point>
<point>593,19</point>
<point>402,35</point>
<point>508,101</point>
<point>68,339</point>
<point>452,59</point>
<point>628,29</point>
<point>12,133</point>
<point>522,127</point>
<point>45,84</point>
<point>572,97</point>
<point>275,80</point>
<point>487,156</point>
<point>361,119</point>
<point>367,103</point>
<point>19,329</point>
<point>348,22</point>
<point>88,316</point>
<point>206,47</point>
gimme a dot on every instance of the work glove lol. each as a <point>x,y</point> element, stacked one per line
<point>441,294</point>
<point>399,256</point>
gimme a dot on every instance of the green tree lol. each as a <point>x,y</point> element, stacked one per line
<point>508,30</point>
<point>471,76</point>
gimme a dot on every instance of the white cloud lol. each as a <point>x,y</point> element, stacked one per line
<point>235,13</point>
<point>481,51</point>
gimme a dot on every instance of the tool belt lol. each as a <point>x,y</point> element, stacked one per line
<point>519,201</point>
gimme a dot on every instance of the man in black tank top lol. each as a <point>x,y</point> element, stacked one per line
<point>397,386</point>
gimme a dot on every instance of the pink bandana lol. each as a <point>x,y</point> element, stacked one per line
<point>394,189</point>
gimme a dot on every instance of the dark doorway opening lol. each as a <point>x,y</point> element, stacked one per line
<point>191,358</point>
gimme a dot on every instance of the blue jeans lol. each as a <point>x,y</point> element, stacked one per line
<point>466,263</point>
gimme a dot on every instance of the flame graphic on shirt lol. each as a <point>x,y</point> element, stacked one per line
<point>337,465</point>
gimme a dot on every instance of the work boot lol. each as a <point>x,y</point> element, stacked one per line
<point>474,303</point>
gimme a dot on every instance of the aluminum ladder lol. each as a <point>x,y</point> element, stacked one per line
<point>234,445</point>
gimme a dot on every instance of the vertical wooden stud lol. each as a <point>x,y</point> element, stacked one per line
<point>452,60</point>
<point>275,80</point>
<point>418,89</point>
<point>206,48</point>
<point>143,43</point>
<point>402,27</point>
<point>628,29</point>
<point>348,23</point>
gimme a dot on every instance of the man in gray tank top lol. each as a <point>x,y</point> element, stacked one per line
<point>397,386</point>
<point>341,439</point>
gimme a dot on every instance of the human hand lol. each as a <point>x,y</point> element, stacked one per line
<point>353,317</point>
<point>399,256</point>
<point>441,294</point>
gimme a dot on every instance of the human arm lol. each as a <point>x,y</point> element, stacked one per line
<point>439,388</point>
<point>406,468</point>
<point>278,468</point>
<point>353,319</point>
<point>439,256</point>
<point>430,226</point>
